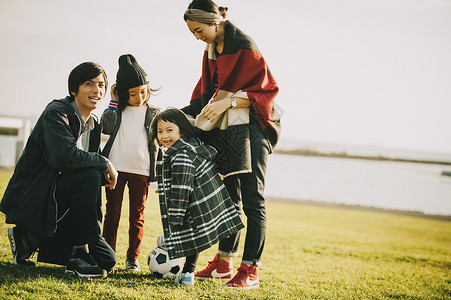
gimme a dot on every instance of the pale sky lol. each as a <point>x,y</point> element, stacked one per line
<point>358,72</point>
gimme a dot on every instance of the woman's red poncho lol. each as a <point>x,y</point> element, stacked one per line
<point>243,72</point>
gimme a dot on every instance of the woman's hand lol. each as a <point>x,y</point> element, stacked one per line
<point>113,93</point>
<point>213,111</point>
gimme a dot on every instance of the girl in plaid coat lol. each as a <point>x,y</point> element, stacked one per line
<point>196,209</point>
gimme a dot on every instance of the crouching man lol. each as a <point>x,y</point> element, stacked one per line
<point>54,195</point>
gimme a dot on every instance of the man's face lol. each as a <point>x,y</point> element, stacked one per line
<point>89,95</point>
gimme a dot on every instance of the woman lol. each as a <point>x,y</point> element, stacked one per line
<point>233,103</point>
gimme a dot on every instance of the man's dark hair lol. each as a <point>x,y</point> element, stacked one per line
<point>176,116</point>
<point>82,73</point>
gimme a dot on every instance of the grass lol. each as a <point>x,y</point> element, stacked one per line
<point>310,253</point>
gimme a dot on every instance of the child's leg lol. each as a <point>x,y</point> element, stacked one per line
<point>186,277</point>
<point>138,190</point>
<point>113,211</point>
<point>190,263</point>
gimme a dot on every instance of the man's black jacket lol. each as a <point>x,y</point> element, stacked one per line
<point>28,200</point>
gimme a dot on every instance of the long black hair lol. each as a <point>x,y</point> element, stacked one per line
<point>176,116</point>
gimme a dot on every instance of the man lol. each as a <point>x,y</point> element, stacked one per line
<point>54,194</point>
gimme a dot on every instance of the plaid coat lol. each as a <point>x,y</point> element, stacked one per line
<point>196,210</point>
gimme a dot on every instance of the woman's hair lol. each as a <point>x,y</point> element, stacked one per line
<point>208,6</point>
<point>82,73</point>
<point>176,116</point>
<point>123,96</point>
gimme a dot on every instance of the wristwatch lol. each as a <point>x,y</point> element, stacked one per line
<point>233,102</point>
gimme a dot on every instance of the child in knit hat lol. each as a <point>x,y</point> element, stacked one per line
<point>127,121</point>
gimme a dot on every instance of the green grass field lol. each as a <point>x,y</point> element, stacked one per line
<point>310,253</point>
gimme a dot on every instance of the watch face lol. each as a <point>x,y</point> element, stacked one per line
<point>233,102</point>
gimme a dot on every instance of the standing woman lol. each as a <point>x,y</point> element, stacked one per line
<point>233,103</point>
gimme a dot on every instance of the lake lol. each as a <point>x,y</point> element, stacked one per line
<point>382,184</point>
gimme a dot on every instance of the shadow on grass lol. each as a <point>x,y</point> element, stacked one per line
<point>12,274</point>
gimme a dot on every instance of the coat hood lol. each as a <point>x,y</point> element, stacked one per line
<point>193,145</point>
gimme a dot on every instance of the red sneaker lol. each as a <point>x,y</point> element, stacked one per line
<point>246,278</point>
<point>216,269</point>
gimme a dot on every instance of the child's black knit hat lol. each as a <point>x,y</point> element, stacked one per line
<point>130,73</point>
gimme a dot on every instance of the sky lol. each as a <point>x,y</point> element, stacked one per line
<point>353,72</point>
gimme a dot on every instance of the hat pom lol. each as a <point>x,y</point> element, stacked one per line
<point>126,60</point>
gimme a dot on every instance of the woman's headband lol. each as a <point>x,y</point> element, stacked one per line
<point>202,16</point>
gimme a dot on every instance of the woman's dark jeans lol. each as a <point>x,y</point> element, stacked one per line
<point>247,189</point>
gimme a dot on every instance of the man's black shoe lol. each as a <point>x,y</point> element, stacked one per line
<point>81,264</point>
<point>19,247</point>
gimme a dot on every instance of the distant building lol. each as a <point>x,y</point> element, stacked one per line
<point>14,133</point>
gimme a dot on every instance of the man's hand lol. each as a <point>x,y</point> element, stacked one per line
<point>111,176</point>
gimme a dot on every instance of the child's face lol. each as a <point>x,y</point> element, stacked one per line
<point>167,133</point>
<point>137,95</point>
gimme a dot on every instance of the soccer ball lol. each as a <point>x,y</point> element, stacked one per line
<point>161,266</point>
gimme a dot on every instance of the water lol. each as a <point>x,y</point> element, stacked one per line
<point>392,185</point>
<point>382,184</point>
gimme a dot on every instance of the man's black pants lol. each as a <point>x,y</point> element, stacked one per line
<point>78,197</point>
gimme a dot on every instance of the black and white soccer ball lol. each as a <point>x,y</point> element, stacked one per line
<point>161,266</point>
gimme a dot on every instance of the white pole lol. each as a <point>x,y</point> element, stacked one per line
<point>22,137</point>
